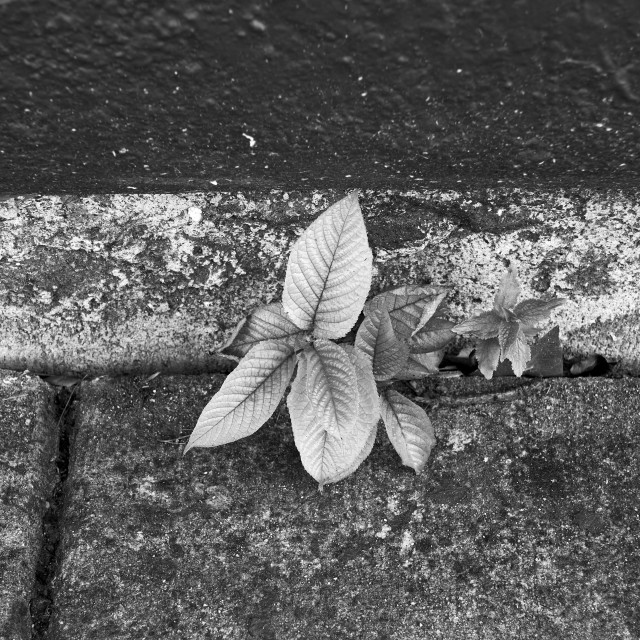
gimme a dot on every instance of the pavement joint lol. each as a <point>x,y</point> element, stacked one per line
<point>29,430</point>
<point>43,600</point>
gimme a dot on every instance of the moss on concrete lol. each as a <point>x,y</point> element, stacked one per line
<point>140,283</point>
<point>524,525</point>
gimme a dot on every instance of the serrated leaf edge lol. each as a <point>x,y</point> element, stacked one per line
<point>389,401</point>
<point>238,400</point>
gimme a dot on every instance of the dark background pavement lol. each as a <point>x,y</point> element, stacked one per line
<point>112,95</point>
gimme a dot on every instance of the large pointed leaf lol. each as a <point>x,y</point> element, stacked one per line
<point>247,398</point>
<point>268,322</point>
<point>410,307</point>
<point>377,339</point>
<point>435,335</point>
<point>408,428</point>
<point>326,456</point>
<point>329,272</point>
<point>368,404</point>
<point>533,312</point>
<point>331,385</point>
<point>508,290</point>
<point>362,455</point>
<point>368,408</point>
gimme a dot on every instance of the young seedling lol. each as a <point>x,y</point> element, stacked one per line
<point>341,389</point>
<point>502,332</point>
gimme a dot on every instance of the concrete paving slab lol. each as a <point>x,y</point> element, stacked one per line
<point>28,432</point>
<point>525,525</point>
<point>104,96</point>
<point>143,283</point>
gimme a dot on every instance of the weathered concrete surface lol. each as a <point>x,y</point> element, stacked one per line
<point>28,432</point>
<point>104,95</point>
<point>526,523</point>
<point>127,283</point>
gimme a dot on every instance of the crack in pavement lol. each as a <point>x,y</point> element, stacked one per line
<point>43,598</point>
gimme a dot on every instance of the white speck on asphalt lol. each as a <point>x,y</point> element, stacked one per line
<point>251,139</point>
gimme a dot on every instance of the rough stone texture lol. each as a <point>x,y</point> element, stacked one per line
<point>134,283</point>
<point>28,432</point>
<point>105,95</point>
<point>525,524</point>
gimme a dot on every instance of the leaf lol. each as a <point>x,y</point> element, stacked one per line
<point>507,335</point>
<point>331,385</point>
<point>368,408</point>
<point>368,404</point>
<point>532,312</point>
<point>329,272</point>
<point>408,428</point>
<point>247,398</point>
<point>410,307</point>
<point>331,457</point>
<point>508,290</point>
<point>433,336</point>
<point>377,339</point>
<point>546,356</point>
<point>420,365</point>
<point>517,351</point>
<point>488,356</point>
<point>484,325</point>
<point>268,322</point>
<point>363,454</point>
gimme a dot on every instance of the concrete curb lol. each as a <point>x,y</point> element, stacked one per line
<point>525,524</point>
<point>29,437</point>
<point>142,283</point>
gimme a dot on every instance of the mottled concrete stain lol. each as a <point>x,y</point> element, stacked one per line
<point>524,524</point>
<point>139,283</point>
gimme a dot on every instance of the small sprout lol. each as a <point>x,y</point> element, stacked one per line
<point>502,332</point>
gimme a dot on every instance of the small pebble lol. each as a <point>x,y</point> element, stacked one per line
<point>258,26</point>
